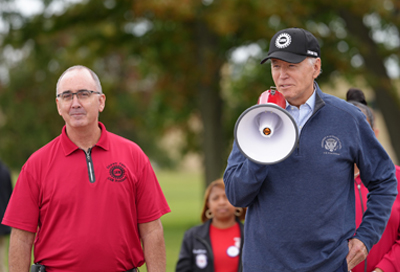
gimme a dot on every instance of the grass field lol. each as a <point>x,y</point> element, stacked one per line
<point>184,193</point>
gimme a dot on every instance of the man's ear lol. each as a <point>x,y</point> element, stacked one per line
<point>102,101</point>
<point>58,106</point>
<point>317,68</point>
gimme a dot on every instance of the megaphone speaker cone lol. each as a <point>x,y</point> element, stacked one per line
<point>268,123</point>
<point>253,125</point>
<point>267,131</point>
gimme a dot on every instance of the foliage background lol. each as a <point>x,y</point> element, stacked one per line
<point>171,73</point>
<point>178,74</point>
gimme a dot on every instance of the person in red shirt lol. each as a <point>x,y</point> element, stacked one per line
<point>216,245</point>
<point>89,199</point>
<point>385,255</point>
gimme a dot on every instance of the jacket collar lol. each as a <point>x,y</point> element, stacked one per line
<point>319,102</point>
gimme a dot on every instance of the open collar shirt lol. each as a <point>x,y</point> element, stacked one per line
<point>303,113</point>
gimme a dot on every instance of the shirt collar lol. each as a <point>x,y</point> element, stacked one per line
<point>69,147</point>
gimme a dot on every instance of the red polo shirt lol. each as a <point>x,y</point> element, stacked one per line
<point>84,207</point>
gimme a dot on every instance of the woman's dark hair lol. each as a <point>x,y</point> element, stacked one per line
<point>354,94</point>
<point>357,98</point>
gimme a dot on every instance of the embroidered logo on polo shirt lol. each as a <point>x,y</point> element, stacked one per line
<point>331,144</point>
<point>117,172</point>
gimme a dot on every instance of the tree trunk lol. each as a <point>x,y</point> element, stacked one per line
<point>386,96</point>
<point>210,102</point>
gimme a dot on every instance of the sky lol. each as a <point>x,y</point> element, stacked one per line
<point>29,7</point>
<point>32,7</point>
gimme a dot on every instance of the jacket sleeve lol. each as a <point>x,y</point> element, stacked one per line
<point>243,178</point>
<point>185,262</point>
<point>377,172</point>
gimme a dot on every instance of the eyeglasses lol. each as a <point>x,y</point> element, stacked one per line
<point>81,94</point>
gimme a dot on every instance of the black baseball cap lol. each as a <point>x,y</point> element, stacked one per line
<point>293,45</point>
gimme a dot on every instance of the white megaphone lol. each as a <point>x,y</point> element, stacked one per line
<point>266,133</point>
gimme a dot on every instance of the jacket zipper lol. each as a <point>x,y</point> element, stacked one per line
<point>208,246</point>
<point>89,162</point>
<point>361,199</point>
<point>363,210</point>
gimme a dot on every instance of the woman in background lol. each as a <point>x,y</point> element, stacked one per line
<point>385,255</point>
<point>215,245</point>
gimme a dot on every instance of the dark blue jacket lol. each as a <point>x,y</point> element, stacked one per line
<point>5,193</point>
<point>301,211</point>
<point>197,241</point>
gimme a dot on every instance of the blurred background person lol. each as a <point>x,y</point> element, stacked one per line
<point>215,245</point>
<point>385,255</point>
<point>5,193</point>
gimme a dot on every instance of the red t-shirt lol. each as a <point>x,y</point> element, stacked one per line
<point>386,253</point>
<point>83,225</point>
<point>225,245</point>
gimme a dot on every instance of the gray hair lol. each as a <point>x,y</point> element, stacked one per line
<point>312,61</point>
<point>78,67</point>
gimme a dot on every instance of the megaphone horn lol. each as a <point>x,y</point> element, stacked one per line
<point>266,133</point>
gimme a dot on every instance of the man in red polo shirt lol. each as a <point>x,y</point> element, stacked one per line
<point>90,196</point>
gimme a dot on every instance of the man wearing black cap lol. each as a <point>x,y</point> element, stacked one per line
<point>301,210</point>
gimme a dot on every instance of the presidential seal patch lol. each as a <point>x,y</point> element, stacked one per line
<point>331,144</point>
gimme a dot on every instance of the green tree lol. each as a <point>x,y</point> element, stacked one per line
<point>169,66</point>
